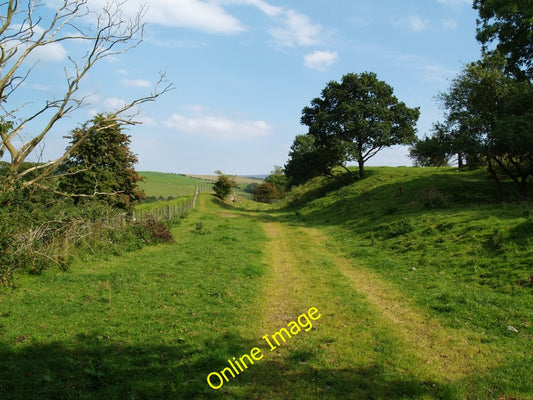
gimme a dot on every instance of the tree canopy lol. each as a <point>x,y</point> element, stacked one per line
<point>509,24</point>
<point>357,118</point>
<point>100,164</point>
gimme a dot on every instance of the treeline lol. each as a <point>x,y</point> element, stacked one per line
<point>488,114</point>
<point>489,106</point>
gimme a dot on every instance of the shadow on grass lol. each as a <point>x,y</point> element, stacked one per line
<point>98,368</point>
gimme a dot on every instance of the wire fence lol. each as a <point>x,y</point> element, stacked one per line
<point>169,212</point>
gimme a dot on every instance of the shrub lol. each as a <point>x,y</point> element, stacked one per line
<point>223,187</point>
<point>152,231</point>
<point>432,198</point>
<point>267,193</point>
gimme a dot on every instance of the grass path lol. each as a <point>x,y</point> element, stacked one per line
<point>371,341</point>
<point>154,323</point>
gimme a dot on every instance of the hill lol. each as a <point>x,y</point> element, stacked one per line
<point>161,184</point>
<point>403,219</point>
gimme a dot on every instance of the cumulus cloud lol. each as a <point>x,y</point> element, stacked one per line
<point>205,16</point>
<point>296,30</point>
<point>136,83</point>
<point>416,23</point>
<point>320,60</point>
<point>449,24</point>
<point>215,126</point>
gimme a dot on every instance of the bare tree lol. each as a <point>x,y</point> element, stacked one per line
<point>23,32</point>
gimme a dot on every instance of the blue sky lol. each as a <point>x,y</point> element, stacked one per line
<point>244,69</point>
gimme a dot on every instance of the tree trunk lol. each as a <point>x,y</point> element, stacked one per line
<point>523,189</point>
<point>361,167</point>
<point>494,176</point>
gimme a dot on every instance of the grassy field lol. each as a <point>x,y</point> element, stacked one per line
<point>240,180</point>
<point>422,293</point>
<point>160,184</point>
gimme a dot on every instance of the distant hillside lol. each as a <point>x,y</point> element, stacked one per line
<point>239,179</point>
<point>161,184</point>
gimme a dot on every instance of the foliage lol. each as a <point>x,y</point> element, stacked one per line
<point>359,116</point>
<point>250,188</point>
<point>101,165</point>
<point>509,24</point>
<point>490,116</point>
<point>152,231</point>
<point>308,158</point>
<point>267,193</point>
<point>224,185</point>
<point>278,179</point>
<point>433,151</point>
<point>40,230</point>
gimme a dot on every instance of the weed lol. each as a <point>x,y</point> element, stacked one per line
<point>432,199</point>
<point>399,228</point>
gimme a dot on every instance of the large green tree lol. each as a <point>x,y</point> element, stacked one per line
<point>101,165</point>
<point>362,116</point>
<point>506,27</point>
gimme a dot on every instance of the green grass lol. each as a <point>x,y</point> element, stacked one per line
<point>150,324</point>
<point>416,291</point>
<point>446,244</point>
<point>165,185</point>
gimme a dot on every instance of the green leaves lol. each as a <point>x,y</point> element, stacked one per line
<point>362,115</point>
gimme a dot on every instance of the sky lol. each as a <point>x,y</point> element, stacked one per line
<point>243,70</point>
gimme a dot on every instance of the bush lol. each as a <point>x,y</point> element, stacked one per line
<point>223,187</point>
<point>41,231</point>
<point>153,231</point>
<point>267,193</point>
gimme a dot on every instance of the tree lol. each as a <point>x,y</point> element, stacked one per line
<point>490,117</point>
<point>102,165</point>
<point>26,28</point>
<point>307,159</point>
<point>362,116</point>
<point>267,193</point>
<point>224,185</point>
<point>433,151</point>
<point>508,23</point>
<point>278,179</point>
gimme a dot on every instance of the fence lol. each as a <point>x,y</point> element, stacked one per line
<point>170,212</point>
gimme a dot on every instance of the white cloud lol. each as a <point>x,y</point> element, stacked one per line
<point>51,52</point>
<point>425,69</point>
<point>320,60</point>
<point>136,83</point>
<point>114,103</point>
<point>266,8</point>
<point>216,126</point>
<point>205,16</point>
<point>455,3</point>
<point>296,30</point>
<point>449,24</point>
<point>415,23</point>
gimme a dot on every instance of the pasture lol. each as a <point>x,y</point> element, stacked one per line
<point>422,294</point>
